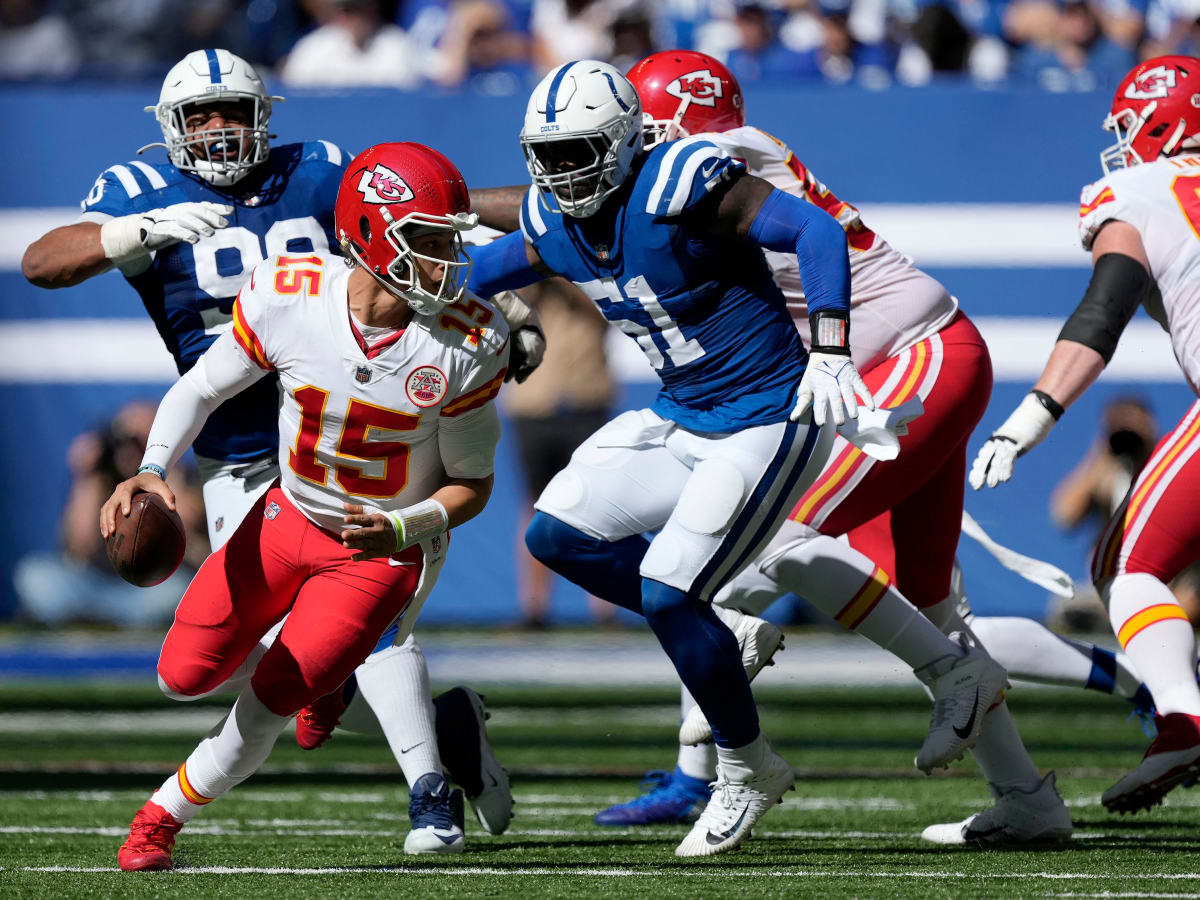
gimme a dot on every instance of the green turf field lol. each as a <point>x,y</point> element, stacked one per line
<point>76,762</point>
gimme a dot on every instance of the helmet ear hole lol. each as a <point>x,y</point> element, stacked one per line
<point>364,228</point>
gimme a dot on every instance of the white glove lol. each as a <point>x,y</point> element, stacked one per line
<point>1024,430</point>
<point>831,381</point>
<point>528,348</point>
<point>129,238</point>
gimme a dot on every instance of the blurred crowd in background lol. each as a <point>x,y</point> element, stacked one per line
<point>504,46</point>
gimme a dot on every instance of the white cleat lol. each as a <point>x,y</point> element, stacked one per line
<point>1018,818</point>
<point>963,690</point>
<point>735,807</point>
<point>759,641</point>
<point>436,813</point>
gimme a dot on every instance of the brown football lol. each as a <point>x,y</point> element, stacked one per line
<point>147,545</point>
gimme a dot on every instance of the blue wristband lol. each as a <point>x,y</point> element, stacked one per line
<point>151,467</point>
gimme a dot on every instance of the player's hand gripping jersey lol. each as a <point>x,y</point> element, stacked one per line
<point>893,304</point>
<point>1161,199</point>
<point>385,429</point>
<point>285,206</point>
<point>703,308</point>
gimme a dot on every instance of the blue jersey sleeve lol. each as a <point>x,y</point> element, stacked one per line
<point>687,171</point>
<point>121,189</point>
<point>787,224</point>
<point>325,164</point>
<point>501,265</point>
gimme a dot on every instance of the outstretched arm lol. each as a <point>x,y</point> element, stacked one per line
<point>1120,282</point>
<point>223,371</point>
<point>499,208</point>
<point>505,264</point>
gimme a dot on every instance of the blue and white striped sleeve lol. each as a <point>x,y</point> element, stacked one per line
<point>117,190</point>
<point>533,216</point>
<point>688,170</point>
<point>326,151</point>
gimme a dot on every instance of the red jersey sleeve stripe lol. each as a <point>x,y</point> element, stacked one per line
<point>248,340</point>
<point>475,398</point>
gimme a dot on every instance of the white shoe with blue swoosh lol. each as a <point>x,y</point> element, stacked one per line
<point>735,807</point>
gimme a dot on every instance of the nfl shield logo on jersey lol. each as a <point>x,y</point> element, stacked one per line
<point>272,510</point>
<point>382,185</point>
<point>362,374</point>
<point>425,386</point>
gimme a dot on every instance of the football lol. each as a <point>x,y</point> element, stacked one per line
<point>147,545</point>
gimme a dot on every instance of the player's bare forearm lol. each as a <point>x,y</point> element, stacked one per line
<point>739,205</point>
<point>65,256</point>
<point>1071,370</point>
<point>499,207</point>
<point>464,498</point>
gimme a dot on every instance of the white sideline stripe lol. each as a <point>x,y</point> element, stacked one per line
<point>129,351</point>
<point>1019,346</point>
<point>970,235</point>
<point>652,871</point>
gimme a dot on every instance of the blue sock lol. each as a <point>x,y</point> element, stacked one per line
<point>706,656</point>
<point>1103,676</point>
<point>605,569</point>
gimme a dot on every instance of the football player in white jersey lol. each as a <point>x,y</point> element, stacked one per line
<point>1141,222</point>
<point>185,233</point>
<point>386,438</point>
<point>903,516</point>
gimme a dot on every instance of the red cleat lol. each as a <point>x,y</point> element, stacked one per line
<point>151,839</point>
<point>1171,760</point>
<point>315,723</point>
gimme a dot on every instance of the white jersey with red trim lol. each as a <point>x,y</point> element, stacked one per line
<point>893,304</point>
<point>1161,199</point>
<point>357,426</point>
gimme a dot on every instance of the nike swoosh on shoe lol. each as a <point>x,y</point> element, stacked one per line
<point>719,838</point>
<point>965,733</point>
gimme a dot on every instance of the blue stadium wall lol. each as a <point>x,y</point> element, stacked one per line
<point>979,186</point>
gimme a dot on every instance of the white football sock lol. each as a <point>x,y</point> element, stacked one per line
<point>699,761</point>
<point>1032,652</point>
<point>1157,636</point>
<point>743,763</point>
<point>395,684</point>
<point>230,754</point>
<point>845,584</point>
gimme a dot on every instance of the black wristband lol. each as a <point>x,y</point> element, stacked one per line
<point>1051,405</point>
<point>830,329</point>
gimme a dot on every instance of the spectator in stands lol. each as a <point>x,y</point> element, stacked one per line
<point>481,50</point>
<point>564,30</point>
<point>78,583</point>
<point>1074,54</point>
<point>125,38</point>
<point>552,412</point>
<point>35,43</point>
<point>1172,26</point>
<point>354,47</point>
<point>1097,486</point>
<point>760,54</point>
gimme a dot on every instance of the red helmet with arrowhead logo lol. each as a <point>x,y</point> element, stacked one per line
<point>1156,112</point>
<point>392,193</point>
<point>684,92</point>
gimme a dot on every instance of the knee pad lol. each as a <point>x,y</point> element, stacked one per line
<point>565,492</point>
<point>789,541</point>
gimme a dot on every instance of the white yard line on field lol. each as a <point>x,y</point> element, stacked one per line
<point>651,871</point>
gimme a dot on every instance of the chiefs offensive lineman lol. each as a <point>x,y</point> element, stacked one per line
<point>387,435</point>
<point>1141,222</point>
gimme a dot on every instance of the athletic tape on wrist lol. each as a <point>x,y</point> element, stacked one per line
<point>415,523</point>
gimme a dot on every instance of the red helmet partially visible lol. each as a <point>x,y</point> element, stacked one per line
<point>392,193</point>
<point>1156,112</point>
<point>684,92</point>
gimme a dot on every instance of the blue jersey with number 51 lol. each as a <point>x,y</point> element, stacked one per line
<point>284,205</point>
<point>703,308</point>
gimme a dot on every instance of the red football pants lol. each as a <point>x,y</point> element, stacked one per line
<point>1156,530</point>
<point>279,563</point>
<point>906,514</point>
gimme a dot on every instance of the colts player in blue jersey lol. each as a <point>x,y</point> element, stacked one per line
<point>667,244</point>
<point>186,234</point>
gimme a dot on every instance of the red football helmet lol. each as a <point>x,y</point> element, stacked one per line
<point>1156,112</point>
<point>684,92</point>
<point>392,193</point>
